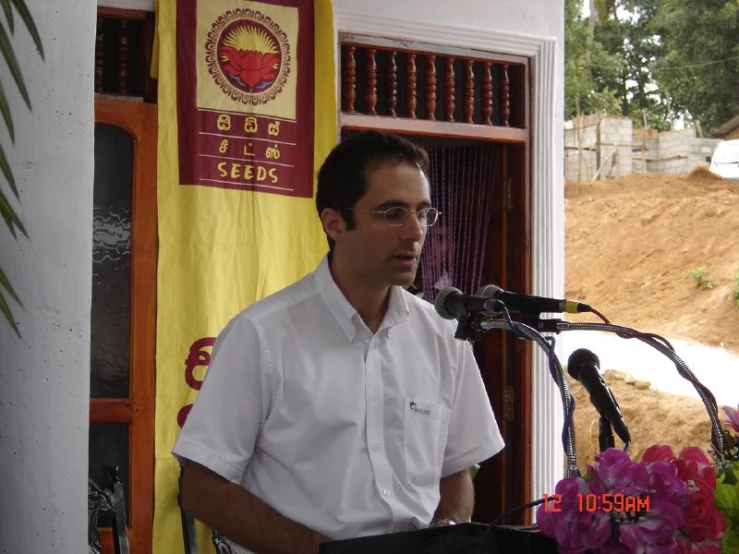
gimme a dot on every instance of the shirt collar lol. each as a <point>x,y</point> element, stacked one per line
<point>345,314</point>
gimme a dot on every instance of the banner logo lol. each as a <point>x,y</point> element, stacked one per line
<point>198,356</point>
<point>248,56</point>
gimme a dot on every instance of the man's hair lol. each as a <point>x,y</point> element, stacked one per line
<point>342,179</point>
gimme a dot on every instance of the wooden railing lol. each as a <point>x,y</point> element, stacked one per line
<point>415,83</point>
<point>123,53</point>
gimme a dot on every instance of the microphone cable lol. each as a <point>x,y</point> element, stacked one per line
<point>501,517</point>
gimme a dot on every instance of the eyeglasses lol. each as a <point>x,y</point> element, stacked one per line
<point>397,216</point>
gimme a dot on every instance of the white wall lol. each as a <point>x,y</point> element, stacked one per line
<point>44,377</point>
<point>533,28</point>
<point>529,17</point>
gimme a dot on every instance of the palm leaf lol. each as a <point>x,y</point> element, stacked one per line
<point>7,212</point>
<point>7,50</point>
<point>11,218</point>
<point>20,5</point>
<point>5,168</point>
<point>5,283</point>
<point>5,309</point>
<point>8,14</point>
<point>5,110</point>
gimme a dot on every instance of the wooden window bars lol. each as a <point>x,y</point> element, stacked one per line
<point>432,89</point>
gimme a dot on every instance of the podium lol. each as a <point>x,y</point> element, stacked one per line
<point>463,538</point>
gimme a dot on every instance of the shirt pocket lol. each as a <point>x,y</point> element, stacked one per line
<point>425,428</point>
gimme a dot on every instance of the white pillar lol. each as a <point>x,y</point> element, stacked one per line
<point>45,375</point>
<point>548,259</point>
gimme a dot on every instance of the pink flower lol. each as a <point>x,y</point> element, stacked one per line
<point>575,531</point>
<point>732,418</point>
<point>703,520</point>
<point>666,485</point>
<point>694,468</point>
<point>687,546</point>
<point>619,474</point>
<point>679,514</point>
<point>654,532</point>
<point>658,452</point>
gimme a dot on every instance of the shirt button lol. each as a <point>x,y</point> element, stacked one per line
<point>374,397</point>
<point>387,492</point>
<point>376,447</point>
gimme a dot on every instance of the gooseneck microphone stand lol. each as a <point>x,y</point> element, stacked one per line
<point>481,323</point>
<point>472,327</point>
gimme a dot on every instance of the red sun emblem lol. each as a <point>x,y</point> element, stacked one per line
<point>249,56</point>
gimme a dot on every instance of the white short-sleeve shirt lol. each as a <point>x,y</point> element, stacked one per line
<point>344,431</point>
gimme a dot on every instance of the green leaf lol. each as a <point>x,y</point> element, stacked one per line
<point>5,110</point>
<point>27,18</point>
<point>4,282</point>
<point>8,14</point>
<point>7,50</point>
<point>5,309</point>
<point>5,168</point>
<point>11,218</point>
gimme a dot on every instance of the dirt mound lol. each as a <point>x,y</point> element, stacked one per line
<point>702,172</point>
<point>632,242</point>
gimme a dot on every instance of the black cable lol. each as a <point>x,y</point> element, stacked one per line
<point>505,515</point>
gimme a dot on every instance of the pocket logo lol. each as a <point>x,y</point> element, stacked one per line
<point>419,410</point>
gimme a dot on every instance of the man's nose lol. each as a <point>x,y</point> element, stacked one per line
<point>412,228</point>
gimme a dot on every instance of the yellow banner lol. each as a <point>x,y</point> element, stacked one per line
<point>247,113</point>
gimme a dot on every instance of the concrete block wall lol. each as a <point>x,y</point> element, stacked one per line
<point>643,153</point>
<point>594,141</point>
<point>616,143</point>
<point>611,142</point>
<point>580,139</point>
<point>680,151</point>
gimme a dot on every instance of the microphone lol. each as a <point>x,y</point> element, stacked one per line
<point>526,304</point>
<point>451,303</point>
<point>584,366</point>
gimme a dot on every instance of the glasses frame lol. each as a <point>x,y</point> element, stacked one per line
<point>408,212</point>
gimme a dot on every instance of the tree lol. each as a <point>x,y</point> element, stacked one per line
<point>654,59</point>
<point>585,91</point>
<point>12,221</point>
<point>700,71</point>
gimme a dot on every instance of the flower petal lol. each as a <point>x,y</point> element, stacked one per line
<point>658,452</point>
<point>732,418</point>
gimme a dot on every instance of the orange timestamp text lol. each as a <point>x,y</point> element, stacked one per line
<point>600,503</point>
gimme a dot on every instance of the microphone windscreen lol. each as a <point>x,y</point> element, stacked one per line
<point>488,291</point>
<point>440,302</point>
<point>579,358</point>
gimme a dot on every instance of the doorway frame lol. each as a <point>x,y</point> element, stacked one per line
<point>544,464</point>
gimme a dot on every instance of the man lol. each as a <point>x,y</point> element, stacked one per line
<point>342,406</point>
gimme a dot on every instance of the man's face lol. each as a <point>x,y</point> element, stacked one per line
<point>378,254</point>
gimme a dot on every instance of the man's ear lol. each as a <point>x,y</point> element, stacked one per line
<point>333,224</point>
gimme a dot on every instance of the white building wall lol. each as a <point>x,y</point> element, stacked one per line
<point>44,376</point>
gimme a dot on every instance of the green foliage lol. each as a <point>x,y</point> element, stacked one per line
<point>700,276</point>
<point>727,500</point>
<point>654,60</point>
<point>8,214</point>
<point>583,86</point>
<point>700,71</point>
<point>735,287</point>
